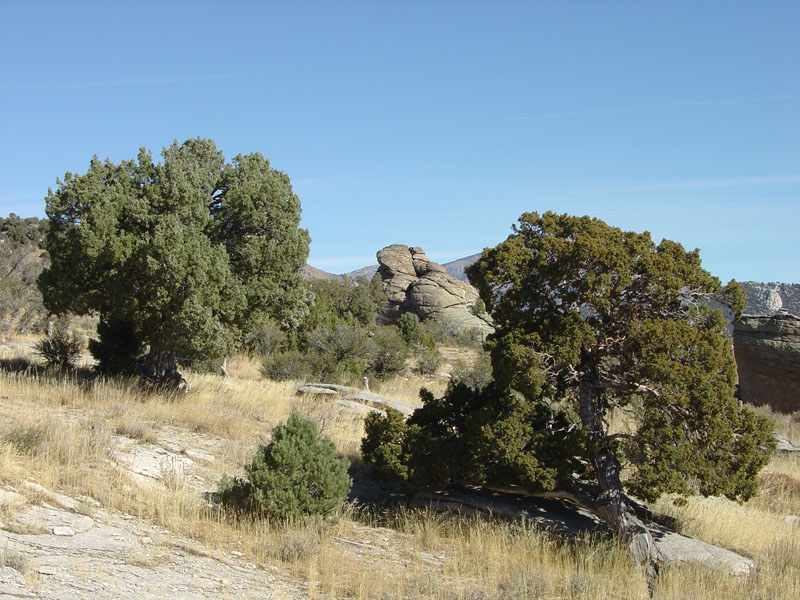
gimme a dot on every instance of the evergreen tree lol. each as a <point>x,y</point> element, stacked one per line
<point>186,256</point>
<point>297,474</point>
<point>592,319</point>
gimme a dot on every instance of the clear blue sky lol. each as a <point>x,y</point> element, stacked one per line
<point>434,123</point>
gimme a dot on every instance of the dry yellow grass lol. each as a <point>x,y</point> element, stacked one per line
<point>60,431</point>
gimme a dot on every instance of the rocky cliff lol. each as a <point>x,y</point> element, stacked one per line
<point>771,298</point>
<point>414,283</point>
<point>767,350</point>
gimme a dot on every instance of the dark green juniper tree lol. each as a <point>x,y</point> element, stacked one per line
<point>591,322</point>
<point>185,256</point>
<point>593,319</point>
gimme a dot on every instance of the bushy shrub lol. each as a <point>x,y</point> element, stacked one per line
<point>409,326</point>
<point>284,366</point>
<point>61,348</point>
<point>390,352</point>
<point>266,339</point>
<point>489,436</point>
<point>477,376</point>
<point>382,445</point>
<point>296,475</point>
<point>429,361</point>
<point>116,348</point>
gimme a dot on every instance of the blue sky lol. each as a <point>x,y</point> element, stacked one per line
<point>434,123</point>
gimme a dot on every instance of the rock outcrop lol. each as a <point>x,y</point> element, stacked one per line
<point>771,298</point>
<point>416,284</point>
<point>767,350</point>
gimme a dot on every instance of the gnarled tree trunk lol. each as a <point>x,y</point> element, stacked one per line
<point>161,370</point>
<point>611,504</point>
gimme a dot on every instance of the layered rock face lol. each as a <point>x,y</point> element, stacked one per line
<point>767,350</point>
<point>414,283</point>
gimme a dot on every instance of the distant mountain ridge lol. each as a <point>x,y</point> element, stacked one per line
<point>762,298</point>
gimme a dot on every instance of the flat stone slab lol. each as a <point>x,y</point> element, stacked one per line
<point>358,407</point>
<point>316,390</point>
<point>355,395</point>
<point>49,519</point>
<point>563,517</point>
<point>149,461</point>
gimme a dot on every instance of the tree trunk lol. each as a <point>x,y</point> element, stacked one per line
<point>161,371</point>
<point>611,505</point>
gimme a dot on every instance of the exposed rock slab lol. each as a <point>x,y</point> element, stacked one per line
<point>363,398</point>
<point>767,350</point>
<point>53,554</point>
<point>416,284</point>
<point>566,518</point>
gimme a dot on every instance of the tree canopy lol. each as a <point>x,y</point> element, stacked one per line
<point>592,319</point>
<point>186,255</point>
<point>605,355</point>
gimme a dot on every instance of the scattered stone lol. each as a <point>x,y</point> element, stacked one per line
<point>416,284</point>
<point>65,531</point>
<point>792,520</point>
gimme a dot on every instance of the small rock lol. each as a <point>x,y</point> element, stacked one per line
<point>314,390</point>
<point>146,540</point>
<point>792,520</point>
<point>64,530</point>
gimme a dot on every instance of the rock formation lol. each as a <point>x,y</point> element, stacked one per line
<point>414,283</point>
<point>770,298</point>
<point>767,350</point>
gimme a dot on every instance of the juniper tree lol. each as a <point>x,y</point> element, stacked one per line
<point>186,255</point>
<point>591,319</point>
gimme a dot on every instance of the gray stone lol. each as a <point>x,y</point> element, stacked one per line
<point>416,284</point>
<point>315,390</point>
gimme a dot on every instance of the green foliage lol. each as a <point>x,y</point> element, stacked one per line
<point>340,349</point>
<point>287,365</point>
<point>477,376</point>
<point>116,348</point>
<point>590,318</point>
<point>344,352</point>
<point>296,475</point>
<point>429,361</point>
<point>409,326</point>
<point>193,252</point>
<point>61,348</point>
<point>26,440</point>
<point>21,261</point>
<point>382,445</point>
<point>344,299</point>
<point>390,352</point>
<point>486,436</point>
<point>266,339</point>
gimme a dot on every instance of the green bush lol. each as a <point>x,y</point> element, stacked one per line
<point>283,366</point>
<point>61,348</point>
<point>429,361</point>
<point>296,475</point>
<point>409,327</point>
<point>476,377</point>
<point>390,352</point>
<point>382,445</point>
<point>266,339</point>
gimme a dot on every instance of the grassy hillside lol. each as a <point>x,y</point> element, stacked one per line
<point>81,438</point>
